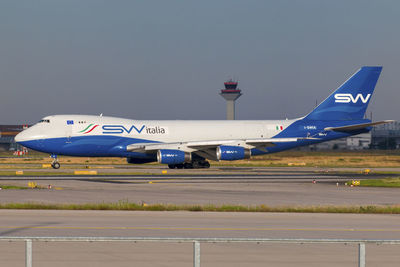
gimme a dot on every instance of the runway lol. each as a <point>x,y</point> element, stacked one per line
<point>192,224</point>
<point>275,187</point>
<point>192,178</point>
<point>197,224</point>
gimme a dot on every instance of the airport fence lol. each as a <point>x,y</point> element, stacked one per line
<point>196,243</point>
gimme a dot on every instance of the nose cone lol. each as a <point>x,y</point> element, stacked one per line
<point>30,134</point>
<point>21,137</point>
<point>30,138</point>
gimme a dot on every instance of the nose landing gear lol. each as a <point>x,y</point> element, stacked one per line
<point>55,164</point>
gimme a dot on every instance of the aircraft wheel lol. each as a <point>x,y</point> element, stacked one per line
<point>171,166</point>
<point>188,165</point>
<point>55,165</point>
<point>179,166</point>
<point>196,165</point>
<point>206,164</point>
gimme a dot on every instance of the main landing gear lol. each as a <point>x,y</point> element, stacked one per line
<point>190,165</point>
<point>55,164</point>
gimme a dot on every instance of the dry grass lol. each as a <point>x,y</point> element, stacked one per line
<point>361,159</point>
<point>130,206</point>
<point>387,182</point>
<point>367,158</point>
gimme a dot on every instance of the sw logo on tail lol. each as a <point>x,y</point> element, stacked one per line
<point>347,98</point>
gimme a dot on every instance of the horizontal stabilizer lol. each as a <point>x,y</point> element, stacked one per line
<point>354,127</point>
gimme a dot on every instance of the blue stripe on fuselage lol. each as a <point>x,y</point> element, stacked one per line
<point>311,128</point>
<point>88,146</point>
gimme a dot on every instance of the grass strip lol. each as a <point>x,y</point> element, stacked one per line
<point>292,158</point>
<point>386,182</point>
<point>71,173</point>
<point>130,206</point>
<point>13,187</point>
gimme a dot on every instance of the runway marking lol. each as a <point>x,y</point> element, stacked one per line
<point>162,181</point>
<point>199,228</point>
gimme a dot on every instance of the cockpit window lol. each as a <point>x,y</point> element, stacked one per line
<point>44,121</point>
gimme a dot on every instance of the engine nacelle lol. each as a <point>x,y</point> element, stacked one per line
<point>233,153</point>
<point>170,156</point>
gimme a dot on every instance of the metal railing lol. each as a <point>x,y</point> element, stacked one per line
<point>196,243</point>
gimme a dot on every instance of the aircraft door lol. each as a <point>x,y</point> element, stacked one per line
<point>69,130</point>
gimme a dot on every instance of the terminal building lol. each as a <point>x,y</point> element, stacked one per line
<point>386,136</point>
<point>7,134</point>
<point>355,142</point>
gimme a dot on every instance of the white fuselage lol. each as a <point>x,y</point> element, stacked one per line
<point>159,131</point>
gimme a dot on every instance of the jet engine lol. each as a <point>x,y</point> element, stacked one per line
<point>233,153</point>
<point>170,156</point>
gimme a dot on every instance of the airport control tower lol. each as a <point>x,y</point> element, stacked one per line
<point>230,93</point>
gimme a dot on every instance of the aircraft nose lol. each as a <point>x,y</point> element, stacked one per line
<point>31,134</point>
<point>20,137</point>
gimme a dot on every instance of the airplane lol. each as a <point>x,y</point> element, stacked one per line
<point>191,143</point>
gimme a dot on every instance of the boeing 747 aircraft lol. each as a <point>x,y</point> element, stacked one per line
<point>189,144</point>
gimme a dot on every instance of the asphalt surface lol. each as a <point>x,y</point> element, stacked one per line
<point>197,224</point>
<point>192,224</point>
<point>273,188</point>
<point>246,186</point>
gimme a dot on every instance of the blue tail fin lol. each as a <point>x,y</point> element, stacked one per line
<point>351,99</point>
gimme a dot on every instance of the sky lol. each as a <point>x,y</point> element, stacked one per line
<point>169,59</point>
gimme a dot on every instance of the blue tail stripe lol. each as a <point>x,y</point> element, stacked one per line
<point>350,100</point>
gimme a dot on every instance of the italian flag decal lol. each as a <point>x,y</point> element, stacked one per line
<point>280,127</point>
<point>87,130</point>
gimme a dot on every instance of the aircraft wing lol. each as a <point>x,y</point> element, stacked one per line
<point>349,128</point>
<point>193,146</point>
